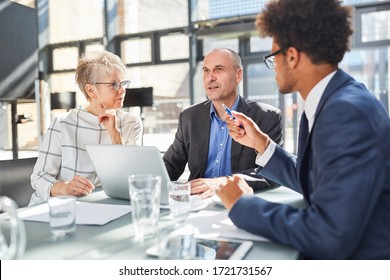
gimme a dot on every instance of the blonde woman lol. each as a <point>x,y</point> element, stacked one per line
<point>63,165</point>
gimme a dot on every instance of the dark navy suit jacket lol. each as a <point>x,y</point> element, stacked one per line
<point>343,173</point>
<point>191,142</point>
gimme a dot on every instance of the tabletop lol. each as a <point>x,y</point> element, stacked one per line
<point>114,240</point>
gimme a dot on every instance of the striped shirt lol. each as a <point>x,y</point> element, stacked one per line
<point>62,154</point>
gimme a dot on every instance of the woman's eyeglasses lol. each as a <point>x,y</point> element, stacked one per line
<point>117,85</point>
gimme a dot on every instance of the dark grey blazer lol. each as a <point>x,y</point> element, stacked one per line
<point>191,142</point>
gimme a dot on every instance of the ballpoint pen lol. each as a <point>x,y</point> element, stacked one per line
<point>230,114</point>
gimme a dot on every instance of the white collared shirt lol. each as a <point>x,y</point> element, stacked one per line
<point>62,154</point>
<point>311,104</point>
<point>314,97</point>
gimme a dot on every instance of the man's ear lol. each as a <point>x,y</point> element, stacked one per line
<point>90,90</point>
<point>292,57</point>
<point>239,75</point>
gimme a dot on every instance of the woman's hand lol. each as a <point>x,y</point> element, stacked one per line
<point>109,120</point>
<point>78,186</point>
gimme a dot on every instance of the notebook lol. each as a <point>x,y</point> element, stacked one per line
<point>115,163</point>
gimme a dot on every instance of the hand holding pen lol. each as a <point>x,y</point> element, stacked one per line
<point>248,134</point>
<point>230,114</point>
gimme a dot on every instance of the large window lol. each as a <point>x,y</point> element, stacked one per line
<point>136,50</point>
<point>157,54</point>
<point>217,9</point>
<point>72,20</point>
<point>153,40</point>
<point>170,91</point>
<point>155,51</point>
<point>370,67</point>
<point>149,15</point>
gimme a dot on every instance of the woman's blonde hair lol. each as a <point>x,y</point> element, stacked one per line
<point>94,65</point>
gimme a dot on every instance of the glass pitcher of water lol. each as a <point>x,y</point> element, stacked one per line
<point>17,232</point>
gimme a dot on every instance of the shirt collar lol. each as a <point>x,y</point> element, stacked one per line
<point>233,108</point>
<point>314,97</point>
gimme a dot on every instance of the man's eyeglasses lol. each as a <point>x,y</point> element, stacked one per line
<point>117,85</point>
<point>269,59</point>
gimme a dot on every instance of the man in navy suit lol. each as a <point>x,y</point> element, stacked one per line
<point>202,140</point>
<point>343,164</point>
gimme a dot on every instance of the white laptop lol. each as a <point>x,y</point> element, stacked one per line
<point>115,163</point>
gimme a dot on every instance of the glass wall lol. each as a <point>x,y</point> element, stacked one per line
<point>153,40</point>
<point>216,9</point>
<point>73,20</point>
<point>157,56</point>
<point>68,21</point>
<point>367,62</point>
<point>371,67</point>
<point>156,53</point>
<point>149,15</point>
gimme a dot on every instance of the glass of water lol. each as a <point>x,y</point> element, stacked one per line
<point>145,198</point>
<point>179,244</point>
<point>62,211</point>
<point>179,197</point>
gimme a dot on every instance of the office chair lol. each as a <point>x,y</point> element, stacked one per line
<point>15,179</point>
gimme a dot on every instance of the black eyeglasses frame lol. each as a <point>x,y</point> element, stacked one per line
<point>269,59</point>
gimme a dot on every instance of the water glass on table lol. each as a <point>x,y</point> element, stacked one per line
<point>179,197</point>
<point>62,210</point>
<point>179,244</point>
<point>145,198</point>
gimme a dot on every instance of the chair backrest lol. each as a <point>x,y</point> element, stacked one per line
<point>15,179</point>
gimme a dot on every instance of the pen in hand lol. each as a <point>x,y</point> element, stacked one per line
<point>230,114</point>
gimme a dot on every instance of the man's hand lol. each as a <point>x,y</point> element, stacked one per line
<point>205,186</point>
<point>250,135</point>
<point>232,190</point>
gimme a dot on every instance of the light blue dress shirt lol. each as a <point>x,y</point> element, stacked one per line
<point>219,155</point>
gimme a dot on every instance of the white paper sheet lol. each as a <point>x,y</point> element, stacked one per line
<point>214,224</point>
<point>86,213</point>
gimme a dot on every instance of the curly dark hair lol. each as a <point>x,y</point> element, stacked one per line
<point>320,28</point>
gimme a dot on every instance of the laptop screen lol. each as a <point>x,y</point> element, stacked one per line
<point>115,163</point>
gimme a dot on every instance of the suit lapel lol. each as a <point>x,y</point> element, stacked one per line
<point>203,130</point>
<point>304,151</point>
<point>236,147</point>
<point>336,82</point>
